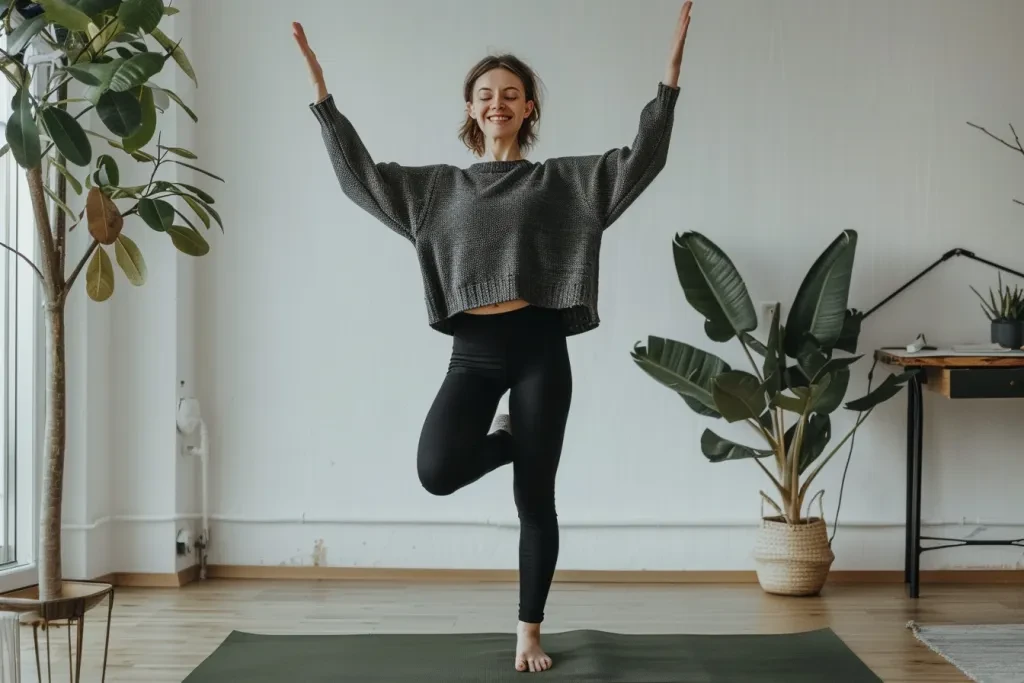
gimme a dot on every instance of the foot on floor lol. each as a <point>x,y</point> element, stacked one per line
<point>529,654</point>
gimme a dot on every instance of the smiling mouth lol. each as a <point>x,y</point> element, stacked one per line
<point>499,119</point>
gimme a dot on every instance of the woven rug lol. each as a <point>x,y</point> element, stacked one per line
<point>986,653</point>
<point>580,657</point>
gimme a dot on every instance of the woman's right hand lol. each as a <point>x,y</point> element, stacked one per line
<point>316,74</point>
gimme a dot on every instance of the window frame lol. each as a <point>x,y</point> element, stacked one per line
<point>23,366</point>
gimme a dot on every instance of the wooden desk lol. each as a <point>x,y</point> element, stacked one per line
<point>955,376</point>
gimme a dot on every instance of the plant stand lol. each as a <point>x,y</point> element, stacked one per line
<point>77,598</point>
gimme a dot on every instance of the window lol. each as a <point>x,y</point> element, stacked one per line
<point>19,372</point>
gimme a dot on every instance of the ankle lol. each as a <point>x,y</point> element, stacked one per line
<point>529,628</point>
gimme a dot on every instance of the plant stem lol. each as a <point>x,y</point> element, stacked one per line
<point>822,463</point>
<point>757,370</point>
<point>81,264</point>
<point>60,229</point>
<point>24,258</point>
<point>50,571</point>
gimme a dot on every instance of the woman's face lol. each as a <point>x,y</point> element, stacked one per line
<point>499,104</point>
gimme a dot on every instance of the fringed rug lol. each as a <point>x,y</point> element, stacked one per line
<point>985,653</point>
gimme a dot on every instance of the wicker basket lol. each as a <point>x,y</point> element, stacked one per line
<point>792,559</point>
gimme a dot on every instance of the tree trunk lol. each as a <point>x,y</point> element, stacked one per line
<point>50,575</point>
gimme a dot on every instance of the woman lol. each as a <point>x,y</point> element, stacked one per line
<point>508,250</point>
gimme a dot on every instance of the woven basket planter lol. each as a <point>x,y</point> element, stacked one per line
<point>792,559</point>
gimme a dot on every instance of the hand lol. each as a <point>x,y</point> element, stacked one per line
<point>675,58</point>
<point>316,74</point>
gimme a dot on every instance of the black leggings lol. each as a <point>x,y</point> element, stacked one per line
<point>523,352</point>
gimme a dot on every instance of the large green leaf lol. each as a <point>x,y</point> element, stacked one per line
<point>178,54</point>
<point>886,390</point>
<point>686,370</point>
<point>833,365</point>
<point>738,396</point>
<point>97,75</point>
<point>141,15</point>
<point>713,286</point>
<point>819,308</point>
<point>774,357</point>
<point>832,397</point>
<point>129,257</point>
<point>20,37</point>
<point>22,132</point>
<point>145,133</point>
<point>120,112</point>
<point>68,135</point>
<point>107,172</point>
<point>65,14</point>
<point>717,449</point>
<point>850,334</point>
<point>174,96</point>
<point>188,241</point>
<point>134,72</point>
<point>157,213</point>
<point>94,7</point>
<point>99,276</point>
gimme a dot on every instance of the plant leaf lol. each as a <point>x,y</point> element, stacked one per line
<point>120,112</point>
<point>883,392</point>
<point>66,15</point>
<point>141,15</point>
<point>20,37</point>
<point>94,74</point>
<point>145,133</point>
<point>834,365</point>
<point>105,221</point>
<point>171,94</point>
<point>177,53</point>
<point>832,397</point>
<point>713,286</point>
<point>198,209</point>
<point>716,449</point>
<point>188,241</point>
<point>850,334</point>
<point>158,214</point>
<point>130,259</point>
<point>171,11</point>
<point>196,168</point>
<point>57,201</point>
<point>107,172</point>
<point>199,192</point>
<point>136,71</point>
<point>817,434</point>
<point>738,396</point>
<point>22,133</point>
<point>180,152</point>
<point>72,181</point>
<point>94,7</point>
<point>686,370</point>
<point>819,308</point>
<point>99,276</point>
<point>794,404</point>
<point>68,135</point>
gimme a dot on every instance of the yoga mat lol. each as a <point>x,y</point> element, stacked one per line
<point>580,657</point>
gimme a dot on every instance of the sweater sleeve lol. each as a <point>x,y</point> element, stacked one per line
<point>609,183</point>
<point>393,194</point>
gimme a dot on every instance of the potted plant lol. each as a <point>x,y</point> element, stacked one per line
<point>1005,312</point>
<point>786,399</point>
<point>106,51</point>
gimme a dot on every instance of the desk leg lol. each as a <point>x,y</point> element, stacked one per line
<point>915,429</point>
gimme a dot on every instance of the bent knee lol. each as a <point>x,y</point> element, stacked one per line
<point>435,480</point>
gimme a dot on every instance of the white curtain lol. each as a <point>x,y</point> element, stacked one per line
<point>10,648</point>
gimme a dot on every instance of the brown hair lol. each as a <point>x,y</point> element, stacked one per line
<point>470,132</point>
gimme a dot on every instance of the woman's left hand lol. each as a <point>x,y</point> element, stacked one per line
<point>675,59</point>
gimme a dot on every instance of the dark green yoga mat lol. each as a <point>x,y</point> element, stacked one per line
<point>579,656</point>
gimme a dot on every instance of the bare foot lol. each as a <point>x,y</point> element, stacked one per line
<point>529,655</point>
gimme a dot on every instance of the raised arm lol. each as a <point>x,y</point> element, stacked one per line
<point>393,194</point>
<point>609,183</point>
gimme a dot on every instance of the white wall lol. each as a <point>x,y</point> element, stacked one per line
<point>797,120</point>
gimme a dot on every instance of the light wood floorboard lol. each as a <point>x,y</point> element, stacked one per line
<point>161,634</point>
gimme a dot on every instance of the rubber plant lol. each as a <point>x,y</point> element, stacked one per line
<point>67,59</point>
<point>799,372</point>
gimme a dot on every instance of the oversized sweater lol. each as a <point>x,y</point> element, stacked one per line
<point>502,230</point>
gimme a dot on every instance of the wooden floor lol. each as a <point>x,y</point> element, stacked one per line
<point>160,635</point>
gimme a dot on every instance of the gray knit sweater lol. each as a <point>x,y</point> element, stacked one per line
<point>503,230</point>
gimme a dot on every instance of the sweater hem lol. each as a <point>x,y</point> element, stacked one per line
<point>576,300</point>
